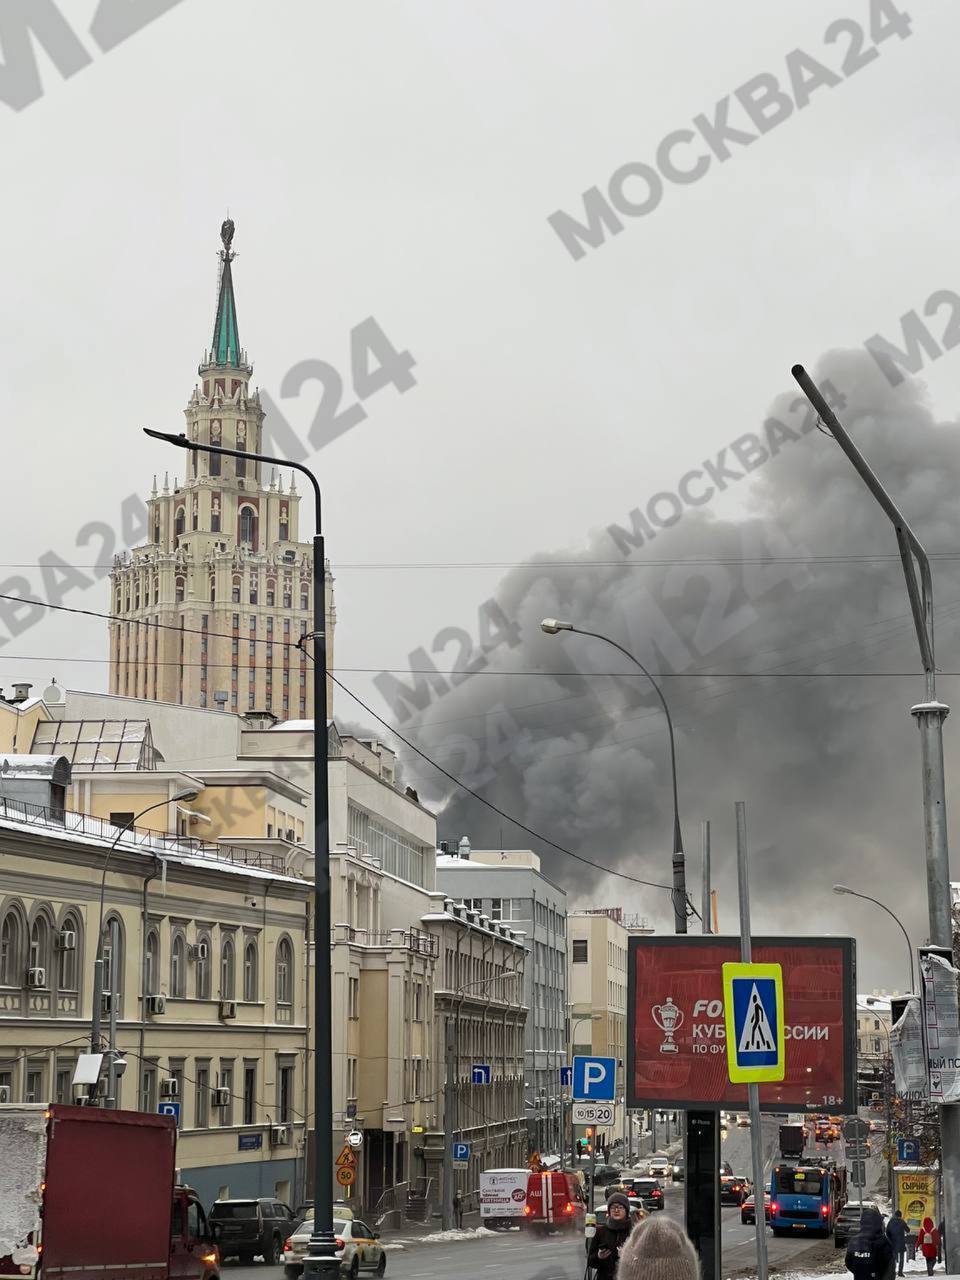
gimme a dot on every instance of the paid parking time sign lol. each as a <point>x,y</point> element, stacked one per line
<point>753,1011</point>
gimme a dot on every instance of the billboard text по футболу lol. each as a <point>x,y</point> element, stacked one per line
<point>676,1045</point>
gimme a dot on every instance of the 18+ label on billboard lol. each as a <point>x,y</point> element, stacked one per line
<point>753,1013</point>
<point>594,1079</point>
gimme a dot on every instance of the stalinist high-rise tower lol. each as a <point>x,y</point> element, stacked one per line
<point>224,571</point>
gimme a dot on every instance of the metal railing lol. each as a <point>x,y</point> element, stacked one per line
<point>157,842</point>
<point>424,944</point>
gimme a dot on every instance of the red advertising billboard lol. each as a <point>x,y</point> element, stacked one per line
<point>676,1045</point>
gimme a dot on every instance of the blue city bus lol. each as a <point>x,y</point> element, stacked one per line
<point>806,1196</point>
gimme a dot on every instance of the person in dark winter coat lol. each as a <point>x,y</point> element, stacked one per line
<point>928,1242</point>
<point>658,1249</point>
<point>610,1237</point>
<point>897,1231</point>
<point>869,1253</point>
<point>942,1250</point>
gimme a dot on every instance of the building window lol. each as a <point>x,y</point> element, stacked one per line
<point>580,951</point>
<point>235,591</point>
<point>353,998</point>
<point>418,1002</point>
<point>68,961</point>
<point>248,527</point>
<point>63,1089</point>
<point>149,1086</point>
<point>179,587</point>
<point>151,978</point>
<point>241,464</point>
<point>284,1091</point>
<point>250,971</point>
<point>304,597</point>
<point>175,1068</point>
<point>113,963</point>
<point>39,944</point>
<point>226,1082</point>
<point>284,972</point>
<point>215,522</point>
<point>201,1108</point>
<point>179,522</point>
<point>228,966</point>
<point>249,1093</point>
<point>202,975</point>
<point>214,463</point>
<point>33,1083</point>
<point>178,967</point>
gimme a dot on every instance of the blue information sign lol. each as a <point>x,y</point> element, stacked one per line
<point>480,1074</point>
<point>249,1141</point>
<point>594,1079</point>
<point>170,1109</point>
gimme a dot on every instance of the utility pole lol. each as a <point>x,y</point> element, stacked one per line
<point>930,715</point>
<point>114,997</point>
<point>449,1094</point>
<point>753,1090</point>
<point>705,902</point>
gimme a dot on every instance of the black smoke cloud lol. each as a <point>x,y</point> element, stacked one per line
<point>829,767</point>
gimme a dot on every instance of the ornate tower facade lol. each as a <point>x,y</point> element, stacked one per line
<point>209,611</point>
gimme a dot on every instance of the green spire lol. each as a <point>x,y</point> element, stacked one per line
<point>225,349</point>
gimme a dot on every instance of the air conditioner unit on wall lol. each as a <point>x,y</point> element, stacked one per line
<point>228,1008</point>
<point>4,1093</point>
<point>169,1088</point>
<point>279,1135</point>
<point>36,977</point>
<point>199,951</point>
<point>66,940</point>
<point>156,1004</point>
<point>221,1097</point>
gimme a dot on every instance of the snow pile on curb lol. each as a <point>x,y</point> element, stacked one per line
<point>445,1237</point>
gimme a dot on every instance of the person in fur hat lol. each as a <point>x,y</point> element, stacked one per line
<point>658,1249</point>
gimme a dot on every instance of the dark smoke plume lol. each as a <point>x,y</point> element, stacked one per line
<point>829,767</point>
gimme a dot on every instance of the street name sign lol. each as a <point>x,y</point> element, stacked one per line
<point>594,1079</point>
<point>753,1014</point>
<point>592,1113</point>
<point>480,1073</point>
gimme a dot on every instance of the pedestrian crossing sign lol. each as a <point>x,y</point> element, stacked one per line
<point>753,1012</point>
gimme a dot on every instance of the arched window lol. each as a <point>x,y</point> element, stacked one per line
<point>179,587</point>
<point>250,970</point>
<point>204,947</point>
<point>213,589</point>
<point>11,940</point>
<point>241,462</point>
<point>247,532</point>
<point>178,966</point>
<point>113,963</point>
<point>39,957</point>
<point>284,972</point>
<point>151,977</point>
<point>69,958</point>
<point>235,589</point>
<point>304,595</point>
<point>228,969</point>
<point>179,522</point>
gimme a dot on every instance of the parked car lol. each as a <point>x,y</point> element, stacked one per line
<point>251,1227</point>
<point>659,1166</point>
<point>748,1207</point>
<point>678,1169</point>
<point>743,1121</point>
<point>848,1220</point>
<point>733,1188</point>
<point>607,1173</point>
<point>358,1248</point>
<point>725,1167</point>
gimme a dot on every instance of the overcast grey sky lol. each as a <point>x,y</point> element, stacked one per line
<point>401,161</point>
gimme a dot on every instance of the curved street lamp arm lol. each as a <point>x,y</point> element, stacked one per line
<point>877,903</point>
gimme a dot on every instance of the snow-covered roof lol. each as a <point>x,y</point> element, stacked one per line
<point>303,726</point>
<point>149,846</point>
<point>873,1004</point>
<point>24,766</point>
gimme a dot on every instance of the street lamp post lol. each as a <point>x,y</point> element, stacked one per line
<point>930,715</point>
<point>842,888</point>
<point>321,1253</point>
<point>553,625</point>
<point>587,1017</point>
<point>96,1023</point>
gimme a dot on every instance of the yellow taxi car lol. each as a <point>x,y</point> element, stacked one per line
<point>358,1246</point>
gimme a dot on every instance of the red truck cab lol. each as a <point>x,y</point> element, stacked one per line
<point>555,1202</point>
<point>93,1191</point>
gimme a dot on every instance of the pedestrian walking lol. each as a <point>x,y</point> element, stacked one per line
<point>610,1237</point>
<point>458,1207</point>
<point>869,1252</point>
<point>897,1231</point>
<point>658,1249</point>
<point>929,1242</point>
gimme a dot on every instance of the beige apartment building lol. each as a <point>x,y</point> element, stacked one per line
<point>209,609</point>
<point>210,974</point>
<point>597,983</point>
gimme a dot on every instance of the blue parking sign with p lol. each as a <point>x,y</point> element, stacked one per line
<point>594,1079</point>
<point>170,1109</point>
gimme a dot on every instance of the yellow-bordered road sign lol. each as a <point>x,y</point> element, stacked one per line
<point>753,1012</point>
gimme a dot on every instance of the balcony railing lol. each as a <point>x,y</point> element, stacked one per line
<point>422,944</point>
<point>157,842</point>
